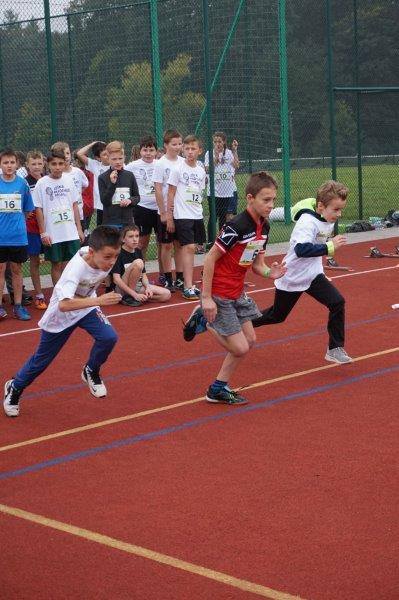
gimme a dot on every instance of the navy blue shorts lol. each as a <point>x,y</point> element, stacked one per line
<point>35,246</point>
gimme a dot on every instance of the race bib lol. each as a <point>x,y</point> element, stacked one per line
<point>222,176</point>
<point>192,196</point>
<point>251,251</point>
<point>149,189</point>
<point>62,215</point>
<point>10,203</point>
<point>120,194</point>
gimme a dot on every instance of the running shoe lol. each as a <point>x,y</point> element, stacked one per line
<point>338,355</point>
<point>128,300</point>
<point>94,382</point>
<point>40,304</point>
<point>225,396</point>
<point>3,312</point>
<point>179,284</point>
<point>195,324</point>
<point>11,399</point>
<point>21,313</point>
<point>168,285</point>
<point>189,294</point>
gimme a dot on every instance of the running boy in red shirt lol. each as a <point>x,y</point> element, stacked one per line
<point>227,312</point>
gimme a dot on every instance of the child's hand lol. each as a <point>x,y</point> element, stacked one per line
<point>113,176</point>
<point>109,299</point>
<point>140,297</point>
<point>210,309</point>
<point>234,145</point>
<point>148,292</point>
<point>163,216</point>
<point>81,236</point>
<point>125,202</point>
<point>170,225</point>
<point>277,270</point>
<point>338,241</point>
<point>45,239</point>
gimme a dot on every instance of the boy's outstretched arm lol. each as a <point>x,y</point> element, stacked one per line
<point>78,303</point>
<point>275,271</point>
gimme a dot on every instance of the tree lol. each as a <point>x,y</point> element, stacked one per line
<point>130,106</point>
<point>32,129</point>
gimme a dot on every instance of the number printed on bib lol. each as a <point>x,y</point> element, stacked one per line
<point>10,203</point>
<point>149,189</point>
<point>62,215</point>
<point>193,196</point>
<point>251,251</point>
<point>222,176</point>
<point>122,193</point>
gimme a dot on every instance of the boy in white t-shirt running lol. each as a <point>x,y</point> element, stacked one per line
<point>184,209</point>
<point>74,303</point>
<point>79,179</point>
<point>96,165</point>
<point>311,239</point>
<point>57,215</point>
<point>172,140</point>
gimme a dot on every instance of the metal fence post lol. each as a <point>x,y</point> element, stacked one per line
<point>208,95</point>
<point>358,122</point>
<point>331,98</point>
<point>285,125</point>
<point>4,127</point>
<point>51,80</point>
<point>72,78</point>
<point>156,72</point>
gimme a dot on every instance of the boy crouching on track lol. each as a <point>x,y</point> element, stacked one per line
<point>227,310</point>
<point>73,304</point>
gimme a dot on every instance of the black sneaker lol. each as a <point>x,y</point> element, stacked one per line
<point>128,300</point>
<point>11,399</point>
<point>94,381</point>
<point>168,285</point>
<point>26,300</point>
<point>179,284</point>
<point>225,396</point>
<point>195,324</point>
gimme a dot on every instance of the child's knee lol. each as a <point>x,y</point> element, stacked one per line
<point>108,337</point>
<point>241,349</point>
<point>138,265</point>
<point>251,338</point>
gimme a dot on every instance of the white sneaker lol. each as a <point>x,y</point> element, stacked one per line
<point>94,381</point>
<point>11,399</point>
<point>338,355</point>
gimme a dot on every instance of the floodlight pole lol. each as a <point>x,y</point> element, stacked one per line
<point>156,72</point>
<point>285,124</point>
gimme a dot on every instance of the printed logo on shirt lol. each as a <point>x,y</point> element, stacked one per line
<point>228,235</point>
<point>57,191</point>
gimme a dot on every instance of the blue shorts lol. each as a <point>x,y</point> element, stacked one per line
<point>34,244</point>
<point>233,204</point>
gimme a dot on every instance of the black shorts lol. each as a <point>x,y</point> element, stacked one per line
<point>146,219</point>
<point>163,236</point>
<point>190,231</point>
<point>15,254</point>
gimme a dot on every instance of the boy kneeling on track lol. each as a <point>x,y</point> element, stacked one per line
<point>73,304</point>
<point>315,218</point>
<point>227,312</point>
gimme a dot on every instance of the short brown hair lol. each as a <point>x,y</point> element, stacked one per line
<point>258,181</point>
<point>128,228</point>
<point>329,190</point>
<point>192,139</point>
<point>55,154</point>
<point>34,154</point>
<point>8,152</point>
<point>59,147</point>
<point>169,134</point>
<point>115,146</point>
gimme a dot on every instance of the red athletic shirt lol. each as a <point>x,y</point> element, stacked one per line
<point>240,240</point>
<point>31,221</point>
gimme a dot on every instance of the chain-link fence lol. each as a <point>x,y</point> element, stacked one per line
<point>106,70</point>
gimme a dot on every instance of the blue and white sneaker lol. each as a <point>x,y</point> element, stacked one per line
<point>21,313</point>
<point>189,294</point>
<point>11,399</point>
<point>3,312</point>
<point>195,324</point>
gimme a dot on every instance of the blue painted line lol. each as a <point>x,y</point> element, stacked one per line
<point>151,435</point>
<point>201,358</point>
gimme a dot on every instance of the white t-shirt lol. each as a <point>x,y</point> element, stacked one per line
<point>162,171</point>
<point>224,174</point>
<point>77,279</point>
<point>143,172</point>
<point>56,198</point>
<point>80,181</point>
<point>190,184</point>
<point>301,271</point>
<point>97,168</point>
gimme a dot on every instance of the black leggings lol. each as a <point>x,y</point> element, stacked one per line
<point>321,290</point>
<point>221,205</point>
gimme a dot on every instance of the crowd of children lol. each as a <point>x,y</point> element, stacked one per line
<point>47,209</point>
